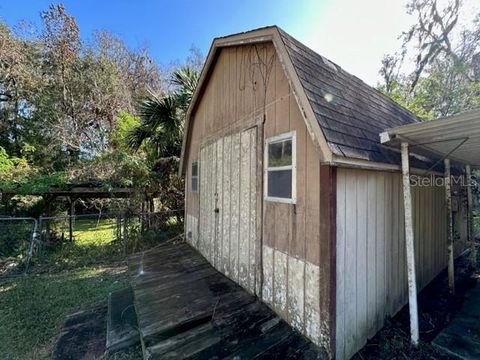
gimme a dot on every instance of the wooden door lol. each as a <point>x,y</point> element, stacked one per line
<point>228,206</point>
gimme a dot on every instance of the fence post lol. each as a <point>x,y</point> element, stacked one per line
<point>40,232</point>
<point>125,233</point>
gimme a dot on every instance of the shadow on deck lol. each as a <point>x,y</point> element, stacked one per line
<point>461,337</point>
<point>188,310</point>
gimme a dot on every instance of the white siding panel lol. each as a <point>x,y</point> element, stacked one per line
<point>244,214</point>
<point>227,154</point>
<point>340,288</point>
<point>371,266</point>
<point>350,270</point>
<point>280,282</point>
<point>268,268</point>
<point>312,302</point>
<point>228,201</point>
<point>252,229</point>
<point>291,286</point>
<point>235,207</point>
<point>296,294</point>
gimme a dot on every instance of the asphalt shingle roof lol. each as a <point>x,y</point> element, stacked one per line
<point>350,113</point>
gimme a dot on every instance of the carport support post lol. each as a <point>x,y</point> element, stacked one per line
<point>412,282</point>
<point>471,241</point>
<point>448,202</point>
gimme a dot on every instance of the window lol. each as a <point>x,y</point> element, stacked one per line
<point>280,168</point>
<point>194,176</point>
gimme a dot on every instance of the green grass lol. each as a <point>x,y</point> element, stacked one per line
<point>66,279</point>
<point>88,231</point>
<point>33,307</point>
<point>93,243</point>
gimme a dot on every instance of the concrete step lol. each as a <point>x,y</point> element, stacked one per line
<point>122,327</point>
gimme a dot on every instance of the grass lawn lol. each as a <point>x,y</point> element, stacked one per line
<point>66,279</point>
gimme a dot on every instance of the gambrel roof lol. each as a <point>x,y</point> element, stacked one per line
<point>343,115</point>
<point>350,113</point>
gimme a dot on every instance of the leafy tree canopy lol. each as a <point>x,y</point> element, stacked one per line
<point>443,46</point>
<point>76,111</point>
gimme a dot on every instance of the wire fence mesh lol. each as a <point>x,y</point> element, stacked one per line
<point>83,239</point>
<point>17,238</point>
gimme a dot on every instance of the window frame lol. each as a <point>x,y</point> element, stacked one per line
<point>292,135</point>
<point>194,176</point>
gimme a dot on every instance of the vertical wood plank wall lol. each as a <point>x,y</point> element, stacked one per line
<point>297,274</point>
<point>227,236</point>
<point>371,265</point>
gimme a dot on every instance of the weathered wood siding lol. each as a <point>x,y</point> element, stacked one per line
<point>227,228</point>
<point>248,87</point>
<point>371,260</point>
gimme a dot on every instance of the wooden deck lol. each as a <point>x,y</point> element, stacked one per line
<point>461,337</point>
<point>188,310</point>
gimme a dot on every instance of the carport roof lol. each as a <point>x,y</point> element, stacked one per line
<point>455,137</point>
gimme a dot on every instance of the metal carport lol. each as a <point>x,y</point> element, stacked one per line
<point>454,139</point>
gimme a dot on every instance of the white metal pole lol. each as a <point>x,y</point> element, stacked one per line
<point>409,240</point>
<point>448,202</point>
<point>471,240</point>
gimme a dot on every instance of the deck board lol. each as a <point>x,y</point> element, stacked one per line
<point>461,337</point>
<point>188,310</point>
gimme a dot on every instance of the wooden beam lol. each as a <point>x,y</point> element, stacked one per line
<point>471,240</point>
<point>448,202</point>
<point>410,248</point>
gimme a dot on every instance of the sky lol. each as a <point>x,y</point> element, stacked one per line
<point>354,34</point>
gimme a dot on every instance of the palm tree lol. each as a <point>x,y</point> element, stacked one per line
<point>163,117</point>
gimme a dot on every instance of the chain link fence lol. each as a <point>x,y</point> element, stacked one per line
<point>85,238</point>
<point>17,237</point>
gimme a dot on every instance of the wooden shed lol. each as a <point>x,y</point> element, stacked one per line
<point>290,193</point>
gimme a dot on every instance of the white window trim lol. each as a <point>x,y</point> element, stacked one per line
<point>292,135</point>
<point>196,176</point>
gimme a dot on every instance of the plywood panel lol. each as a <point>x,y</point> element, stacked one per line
<point>298,238</point>
<point>312,206</point>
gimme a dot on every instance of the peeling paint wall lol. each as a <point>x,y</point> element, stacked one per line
<point>296,237</point>
<point>291,288</point>
<point>191,227</point>
<point>371,259</point>
<point>227,228</point>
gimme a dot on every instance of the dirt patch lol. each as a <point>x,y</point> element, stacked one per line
<point>436,308</point>
<point>83,337</point>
